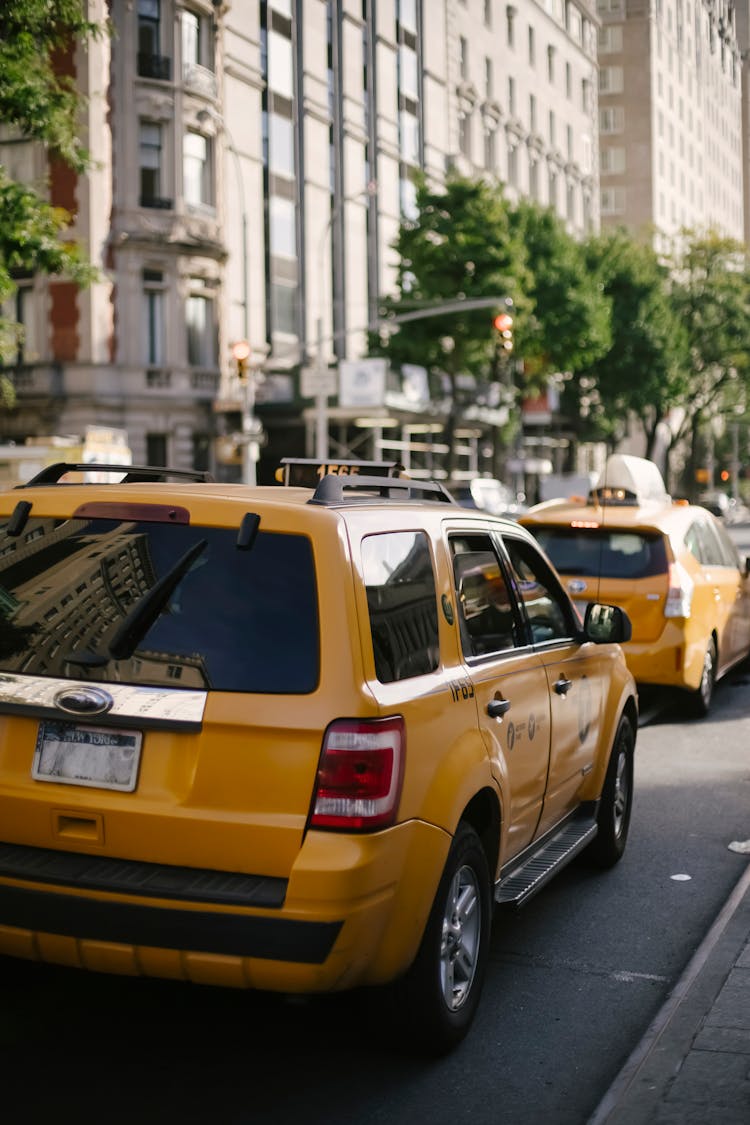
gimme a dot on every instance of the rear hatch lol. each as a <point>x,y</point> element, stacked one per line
<point>160,685</point>
<point>620,565</point>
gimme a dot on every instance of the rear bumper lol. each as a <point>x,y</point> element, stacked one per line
<point>675,659</point>
<point>353,912</point>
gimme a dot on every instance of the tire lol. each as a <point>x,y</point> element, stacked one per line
<point>435,1002</point>
<point>616,803</point>
<point>702,698</point>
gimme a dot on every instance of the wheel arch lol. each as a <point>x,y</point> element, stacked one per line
<point>483,814</point>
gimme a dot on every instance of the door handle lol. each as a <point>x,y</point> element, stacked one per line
<point>496,708</point>
<point>563,686</point>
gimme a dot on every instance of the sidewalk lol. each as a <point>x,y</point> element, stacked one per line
<point>692,1066</point>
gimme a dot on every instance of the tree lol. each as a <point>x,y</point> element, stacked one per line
<point>40,103</point>
<point>460,245</point>
<point>643,373</point>
<point>711,298</point>
<point>568,324</point>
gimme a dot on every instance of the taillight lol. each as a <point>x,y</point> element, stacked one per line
<point>360,774</point>
<point>680,592</point>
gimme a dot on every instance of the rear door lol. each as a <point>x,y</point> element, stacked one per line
<point>577,676</point>
<point>508,679</point>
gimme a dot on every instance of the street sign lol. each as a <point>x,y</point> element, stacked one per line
<point>362,382</point>
<point>315,381</point>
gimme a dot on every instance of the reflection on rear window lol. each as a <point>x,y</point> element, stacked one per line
<point>235,621</point>
<point>591,552</point>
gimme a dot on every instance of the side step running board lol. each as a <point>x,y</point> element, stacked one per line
<point>537,868</point>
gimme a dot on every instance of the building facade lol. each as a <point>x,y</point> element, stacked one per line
<point>253,160</point>
<point>672,154</point>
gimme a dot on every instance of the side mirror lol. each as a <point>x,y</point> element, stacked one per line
<point>606,624</point>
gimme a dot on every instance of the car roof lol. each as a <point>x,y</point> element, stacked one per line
<point>669,518</point>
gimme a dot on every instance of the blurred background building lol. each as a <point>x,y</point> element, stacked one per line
<point>254,159</point>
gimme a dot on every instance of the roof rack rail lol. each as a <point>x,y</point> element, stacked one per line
<point>331,488</point>
<point>51,474</point>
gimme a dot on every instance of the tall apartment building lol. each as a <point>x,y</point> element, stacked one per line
<point>672,153</point>
<point>253,160</point>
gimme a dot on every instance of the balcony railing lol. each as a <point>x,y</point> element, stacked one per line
<point>154,66</point>
<point>199,79</point>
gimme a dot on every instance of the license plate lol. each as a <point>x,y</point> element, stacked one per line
<point>101,757</point>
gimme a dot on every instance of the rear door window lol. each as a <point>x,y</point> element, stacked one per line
<point>232,620</point>
<point>402,604</point>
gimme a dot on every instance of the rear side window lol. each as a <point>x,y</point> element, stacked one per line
<point>602,552</point>
<point>402,603</point>
<point>232,620</point>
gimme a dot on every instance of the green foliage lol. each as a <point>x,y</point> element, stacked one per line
<point>40,104</point>
<point>460,246</point>
<point>33,98</point>
<point>568,326</point>
<point>643,372</point>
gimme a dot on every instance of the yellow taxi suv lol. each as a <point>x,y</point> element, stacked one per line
<point>671,566</point>
<point>300,738</point>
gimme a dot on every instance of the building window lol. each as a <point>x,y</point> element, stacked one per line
<point>568,80</point>
<point>610,39</point>
<point>513,166</point>
<point>157,449</point>
<point>197,41</point>
<point>490,152</point>
<point>153,318</point>
<point>151,62</point>
<point>202,347</point>
<point>612,160</point>
<point>611,119</point>
<point>407,15</point>
<point>201,451</point>
<point>552,189</point>
<point>283,230</point>
<point>613,201</point>
<point>409,137</point>
<point>532,113</point>
<point>511,95</point>
<point>551,63</point>
<point>534,179</point>
<point>611,80</point>
<point>150,161</point>
<point>532,47</point>
<point>489,80</point>
<point>283,308</point>
<point>509,25</point>
<point>488,13</point>
<point>196,169</point>
<point>408,198</point>
<point>552,129</point>
<point>408,82</point>
<point>281,145</point>
<point>463,56</point>
<point>464,135</point>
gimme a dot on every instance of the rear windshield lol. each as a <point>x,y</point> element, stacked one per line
<point>74,591</point>
<point>599,552</point>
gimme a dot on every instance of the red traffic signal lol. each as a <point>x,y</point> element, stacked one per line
<point>503,324</point>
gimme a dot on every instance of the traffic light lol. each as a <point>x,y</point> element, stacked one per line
<point>241,356</point>
<point>503,324</point>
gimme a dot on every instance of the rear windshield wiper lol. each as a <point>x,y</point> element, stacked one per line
<point>145,612</point>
